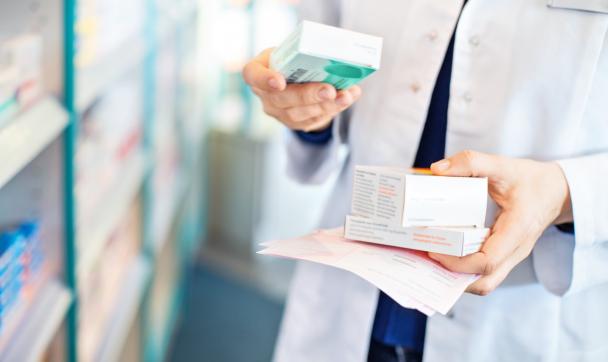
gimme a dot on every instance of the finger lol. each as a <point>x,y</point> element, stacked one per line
<point>272,111</point>
<point>304,113</point>
<point>283,117</point>
<point>506,236</point>
<point>258,92</point>
<point>471,163</point>
<point>487,284</point>
<point>302,94</point>
<point>317,124</point>
<point>323,109</point>
<point>257,74</point>
<point>477,263</point>
<point>346,98</point>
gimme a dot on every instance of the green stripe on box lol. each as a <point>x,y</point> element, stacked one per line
<point>343,75</point>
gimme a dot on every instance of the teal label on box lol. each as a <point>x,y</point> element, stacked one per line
<point>305,69</point>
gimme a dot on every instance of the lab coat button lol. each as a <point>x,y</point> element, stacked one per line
<point>467,97</point>
<point>415,87</point>
<point>474,40</point>
<point>432,35</point>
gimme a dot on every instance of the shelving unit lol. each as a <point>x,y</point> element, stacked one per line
<point>39,167</point>
<point>162,229</point>
<point>94,80</point>
<point>125,312</point>
<point>93,234</point>
<point>26,136</point>
<point>46,315</point>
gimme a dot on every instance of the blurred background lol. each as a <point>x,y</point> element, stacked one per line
<point>137,177</point>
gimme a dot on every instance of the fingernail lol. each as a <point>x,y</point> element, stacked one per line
<point>442,165</point>
<point>343,100</point>
<point>325,93</point>
<point>274,83</point>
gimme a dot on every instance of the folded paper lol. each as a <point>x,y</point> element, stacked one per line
<point>411,278</point>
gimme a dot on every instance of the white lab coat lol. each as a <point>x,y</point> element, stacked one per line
<point>528,80</point>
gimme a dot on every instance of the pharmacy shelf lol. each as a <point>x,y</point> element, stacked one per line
<point>93,234</point>
<point>170,322</point>
<point>177,18</point>
<point>93,80</point>
<point>42,321</point>
<point>162,229</point>
<point>125,311</point>
<point>28,134</point>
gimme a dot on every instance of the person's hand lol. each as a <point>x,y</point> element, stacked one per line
<point>531,195</point>
<point>305,107</point>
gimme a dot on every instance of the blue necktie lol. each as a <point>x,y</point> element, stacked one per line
<point>393,324</point>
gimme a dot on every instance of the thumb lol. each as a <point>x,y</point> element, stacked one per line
<point>469,163</point>
<point>258,74</point>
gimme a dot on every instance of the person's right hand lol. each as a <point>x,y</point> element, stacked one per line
<point>305,107</point>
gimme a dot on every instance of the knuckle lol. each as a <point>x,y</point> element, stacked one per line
<point>315,112</point>
<point>293,114</point>
<point>269,110</point>
<point>329,108</point>
<point>470,156</point>
<point>308,94</point>
<point>489,267</point>
<point>485,288</point>
<point>273,98</point>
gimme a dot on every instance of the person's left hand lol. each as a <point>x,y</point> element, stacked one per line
<point>531,196</point>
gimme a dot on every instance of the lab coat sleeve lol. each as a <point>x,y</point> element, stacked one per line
<point>567,263</point>
<point>309,163</point>
<point>312,163</point>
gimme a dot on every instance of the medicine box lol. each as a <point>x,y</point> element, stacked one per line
<point>445,240</point>
<point>320,53</point>
<point>403,197</point>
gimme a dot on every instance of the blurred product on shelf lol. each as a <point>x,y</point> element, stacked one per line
<point>109,136</point>
<point>21,261</point>
<point>104,26</point>
<point>166,135</point>
<point>100,116</point>
<point>20,73</point>
<point>172,11</point>
<point>100,287</point>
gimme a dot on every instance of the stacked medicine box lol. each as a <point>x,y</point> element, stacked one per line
<point>21,259</point>
<point>20,74</point>
<point>403,208</point>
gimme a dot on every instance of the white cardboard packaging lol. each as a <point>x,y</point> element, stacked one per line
<point>450,241</point>
<point>321,53</point>
<point>402,197</point>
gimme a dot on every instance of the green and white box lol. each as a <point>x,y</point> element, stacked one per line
<point>321,53</point>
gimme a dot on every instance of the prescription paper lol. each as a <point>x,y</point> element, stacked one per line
<point>411,278</point>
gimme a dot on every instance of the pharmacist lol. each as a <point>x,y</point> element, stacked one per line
<point>513,90</point>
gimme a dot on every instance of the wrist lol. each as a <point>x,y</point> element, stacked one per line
<point>565,214</point>
<point>319,138</point>
<point>319,128</point>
